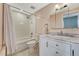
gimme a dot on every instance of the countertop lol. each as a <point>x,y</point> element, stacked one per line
<point>64,38</point>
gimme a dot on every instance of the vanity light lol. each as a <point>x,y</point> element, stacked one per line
<point>63,6</point>
<point>57,6</point>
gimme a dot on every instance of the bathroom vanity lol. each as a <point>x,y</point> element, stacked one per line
<point>54,45</point>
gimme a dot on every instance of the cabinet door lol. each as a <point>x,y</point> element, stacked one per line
<point>65,50</point>
<point>43,47</point>
<point>75,49</point>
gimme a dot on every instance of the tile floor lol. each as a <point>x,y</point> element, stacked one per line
<point>2,51</point>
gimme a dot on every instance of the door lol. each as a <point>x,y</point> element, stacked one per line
<point>45,49</point>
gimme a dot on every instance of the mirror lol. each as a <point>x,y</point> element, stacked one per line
<point>71,20</point>
<point>65,16</point>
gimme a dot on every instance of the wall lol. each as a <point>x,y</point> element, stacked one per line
<point>44,16</point>
<point>1,25</point>
<point>60,24</point>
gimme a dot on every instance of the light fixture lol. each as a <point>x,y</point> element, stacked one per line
<point>62,7</point>
<point>57,6</point>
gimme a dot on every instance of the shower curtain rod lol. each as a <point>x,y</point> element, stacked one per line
<point>19,9</point>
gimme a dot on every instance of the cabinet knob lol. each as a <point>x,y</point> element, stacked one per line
<point>57,52</point>
<point>57,45</point>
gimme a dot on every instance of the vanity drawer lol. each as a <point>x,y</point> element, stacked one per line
<point>58,53</point>
<point>59,44</point>
<point>52,51</point>
<point>53,43</point>
<point>61,53</point>
<point>55,52</point>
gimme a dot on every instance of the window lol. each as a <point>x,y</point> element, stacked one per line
<point>71,22</point>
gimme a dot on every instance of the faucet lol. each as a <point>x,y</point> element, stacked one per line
<point>61,32</point>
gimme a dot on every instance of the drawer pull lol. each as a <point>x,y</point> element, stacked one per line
<point>57,45</point>
<point>46,44</point>
<point>72,52</point>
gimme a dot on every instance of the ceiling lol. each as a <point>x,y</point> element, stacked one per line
<point>34,7</point>
<point>71,6</point>
<point>29,7</point>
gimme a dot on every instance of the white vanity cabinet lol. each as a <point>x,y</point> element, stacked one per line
<point>53,47</point>
<point>75,49</point>
<point>44,48</point>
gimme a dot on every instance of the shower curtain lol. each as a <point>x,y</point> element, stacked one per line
<point>9,33</point>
